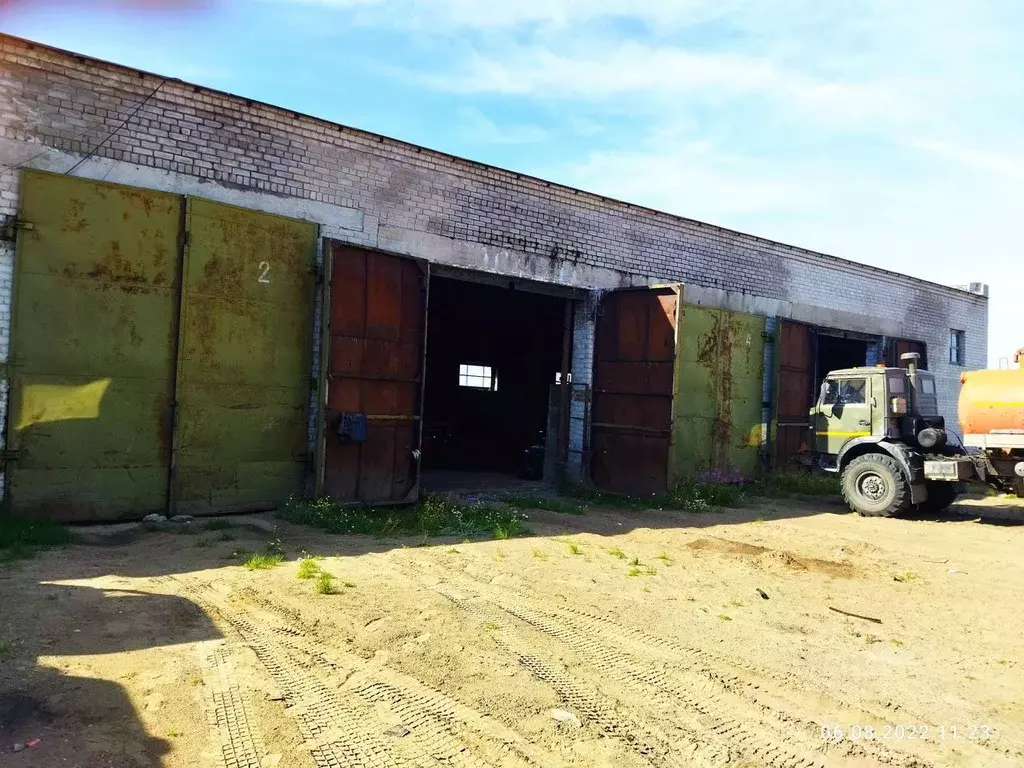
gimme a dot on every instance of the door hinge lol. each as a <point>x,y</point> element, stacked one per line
<point>14,225</point>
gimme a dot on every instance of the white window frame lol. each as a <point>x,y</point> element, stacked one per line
<point>957,347</point>
<point>475,376</point>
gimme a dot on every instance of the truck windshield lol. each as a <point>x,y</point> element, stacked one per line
<point>837,392</point>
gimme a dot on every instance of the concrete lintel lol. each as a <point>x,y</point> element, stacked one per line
<point>335,220</point>
<point>803,313</point>
<point>503,261</point>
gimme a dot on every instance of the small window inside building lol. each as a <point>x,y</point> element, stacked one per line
<point>957,350</point>
<point>558,378</point>
<point>477,377</point>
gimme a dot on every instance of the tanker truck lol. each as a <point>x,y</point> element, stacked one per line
<point>879,429</point>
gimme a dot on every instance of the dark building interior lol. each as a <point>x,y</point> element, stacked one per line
<point>836,352</point>
<point>492,355</point>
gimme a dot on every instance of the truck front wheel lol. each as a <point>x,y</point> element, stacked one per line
<point>874,486</point>
<point>940,496</point>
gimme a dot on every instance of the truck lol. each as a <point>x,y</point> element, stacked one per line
<point>880,430</point>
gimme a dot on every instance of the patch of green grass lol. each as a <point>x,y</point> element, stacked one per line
<point>218,525</point>
<point>697,495</point>
<point>453,551</point>
<point>22,537</point>
<point>724,617</point>
<point>491,625</point>
<point>173,733</point>
<point>575,549</point>
<point>665,558</point>
<point>6,650</point>
<point>260,562</point>
<point>905,578</point>
<point>308,568</point>
<point>435,515</point>
<point>507,530</point>
<point>324,584</point>
<point>348,584</point>
<point>896,641</point>
<point>547,503</point>
<point>736,603</point>
<point>616,552</point>
<point>541,555</point>
<point>635,562</point>
<point>778,485</point>
<point>641,570</point>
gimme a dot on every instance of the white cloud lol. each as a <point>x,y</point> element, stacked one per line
<point>695,180</point>
<point>477,128</point>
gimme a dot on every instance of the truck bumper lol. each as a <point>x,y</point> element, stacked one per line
<point>950,470</point>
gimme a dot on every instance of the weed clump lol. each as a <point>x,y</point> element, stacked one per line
<point>264,561</point>
<point>435,515</point>
<point>324,584</point>
<point>547,503</point>
<point>308,568</point>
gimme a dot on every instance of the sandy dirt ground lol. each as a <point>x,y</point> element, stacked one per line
<point>613,639</point>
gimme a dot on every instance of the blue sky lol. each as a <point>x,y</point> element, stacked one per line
<point>888,132</point>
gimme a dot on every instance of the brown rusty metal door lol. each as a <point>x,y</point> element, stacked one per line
<point>634,373</point>
<point>899,347</point>
<point>378,306</point>
<point>245,359</point>
<point>793,392</point>
<point>92,359</point>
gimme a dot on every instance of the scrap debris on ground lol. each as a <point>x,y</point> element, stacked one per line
<point>785,633</point>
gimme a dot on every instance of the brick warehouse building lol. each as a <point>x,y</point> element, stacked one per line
<point>216,303</point>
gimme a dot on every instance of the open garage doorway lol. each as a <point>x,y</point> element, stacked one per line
<point>490,406</point>
<point>836,352</point>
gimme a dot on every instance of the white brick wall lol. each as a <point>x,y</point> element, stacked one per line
<point>369,190</point>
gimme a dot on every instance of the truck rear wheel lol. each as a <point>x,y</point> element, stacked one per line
<point>940,496</point>
<point>874,486</point>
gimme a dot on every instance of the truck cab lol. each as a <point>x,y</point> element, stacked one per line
<point>877,427</point>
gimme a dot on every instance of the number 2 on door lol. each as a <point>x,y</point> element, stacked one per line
<point>264,272</point>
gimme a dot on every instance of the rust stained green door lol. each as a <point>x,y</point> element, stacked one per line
<point>244,366</point>
<point>719,380</point>
<point>94,324</point>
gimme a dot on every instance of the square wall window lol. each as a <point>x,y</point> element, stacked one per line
<point>477,377</point>
<point>957,347</point>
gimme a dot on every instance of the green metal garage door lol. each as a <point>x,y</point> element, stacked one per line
<point>92,358</point>
<point>245,361</point>
<point>106,337</point>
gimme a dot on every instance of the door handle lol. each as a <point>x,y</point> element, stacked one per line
<point>864,423</point>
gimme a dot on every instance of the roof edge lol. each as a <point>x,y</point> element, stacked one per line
<point>518,175</point>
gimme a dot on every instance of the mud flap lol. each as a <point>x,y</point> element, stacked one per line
<point>918,493</point>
